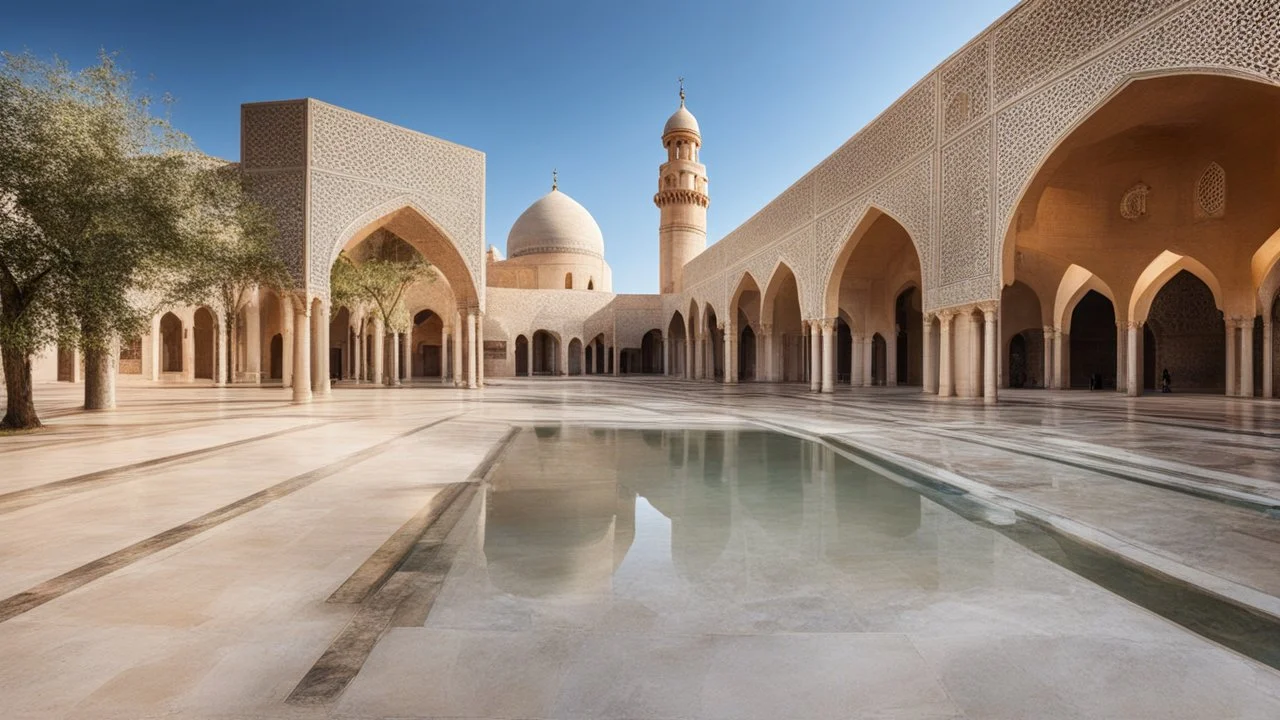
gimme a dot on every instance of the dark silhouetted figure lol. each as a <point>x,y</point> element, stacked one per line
<point>1166,382</point>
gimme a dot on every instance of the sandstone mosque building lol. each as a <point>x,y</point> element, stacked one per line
<point>1086,194</point>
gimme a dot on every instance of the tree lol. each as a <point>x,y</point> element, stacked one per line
<point>387,268</point>
<point>99,201</point>
<point>236,251</point>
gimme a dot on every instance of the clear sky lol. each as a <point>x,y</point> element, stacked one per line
<point>581,86</point>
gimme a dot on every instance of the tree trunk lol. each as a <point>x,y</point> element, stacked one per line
<point>20,414</point>
<point>99,378</point>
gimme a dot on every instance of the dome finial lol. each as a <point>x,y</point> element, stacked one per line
<point>554,179</point>
<point>681,91</point>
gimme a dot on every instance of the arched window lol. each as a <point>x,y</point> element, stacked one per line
<point>568,281</point>
<point>591,284</point>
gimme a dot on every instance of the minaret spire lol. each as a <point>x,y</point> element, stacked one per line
<point>681,91</point>
<point>554,179</point>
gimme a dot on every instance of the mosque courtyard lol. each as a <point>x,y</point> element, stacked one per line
<point>657,548</point>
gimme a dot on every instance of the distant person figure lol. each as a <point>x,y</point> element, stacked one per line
<point>1093,381</point>
<point>1166,382</point>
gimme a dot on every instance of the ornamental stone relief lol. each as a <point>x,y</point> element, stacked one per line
<point>1211,192</point>
<point>966,94</point>
<point>1133,204</point>
<point>964,243</point>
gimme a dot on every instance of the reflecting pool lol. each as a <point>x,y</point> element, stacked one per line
<point>749,574</point>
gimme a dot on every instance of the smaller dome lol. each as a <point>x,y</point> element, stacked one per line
<point>682,120</point>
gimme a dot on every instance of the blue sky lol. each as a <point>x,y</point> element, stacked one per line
<point>581,86</point>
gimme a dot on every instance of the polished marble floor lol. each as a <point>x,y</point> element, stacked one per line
<point>178,557</point>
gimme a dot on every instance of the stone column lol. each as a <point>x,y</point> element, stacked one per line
<point>1047,383</point>
<point>1232,388</point>
<point>1121,348</point>
<point>157,352</point>
<point>287,314</point>
<point>253,339</point>
<point>1246,357</point>
<point>406,356</point>
<point>930,380</point>
<point>815,369</point>
<point>379,340</point>
<point>891,358</point>
<point>528,356</point>
<point>220,359</point>
<point>393,377</point>
<point>617,358</point>
<point>946,380</point>
<point>444,354</point>
<point>480,350</point>
<point>322,383</point>
<point>766,335</point>
<point>730,357</point>
<point>472,381</point>
<point>357,352</point>
<point>855,359</point>
<point>699,359</point>
<point>1062,360</point>
<point>1133,359</point>
<point>828,356</point>
<point>189,349</point>
<point>868,352</point>
<point>989,354</point>
<point>1268,358</point>
<point>301,350</point>
<point>456,367</point>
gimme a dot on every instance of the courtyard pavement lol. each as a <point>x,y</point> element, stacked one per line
<point>173,558</point>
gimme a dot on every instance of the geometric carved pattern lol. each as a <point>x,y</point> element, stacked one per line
<point>1035,75</point>
<point>966,92</point>
<point>1211,192</point>
<point>1044,38</point>
<point>359,163</point>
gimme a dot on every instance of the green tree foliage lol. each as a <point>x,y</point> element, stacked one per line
<point>378,280</point>
<point>235,252</point>
<point>105,212</point>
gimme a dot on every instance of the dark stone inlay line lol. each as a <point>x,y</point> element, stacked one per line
<point>403,599</point>
<point>428,563</point>
<point>26,497</point>
<point>374,571</point>
<point>54,588</point>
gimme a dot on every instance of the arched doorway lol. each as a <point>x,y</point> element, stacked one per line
<point>575,357</point>
<point>522,356</point>
<point>277,357</point>
<point>650,353</point>
<point>715,346</point>
<point>1018,365</point>
<point>170,343</point>
<point>1188,332</point>
<point>545,353</point>
<point>879,360</point>
<point>747,354</point>
<point>780,312</point>
<point>677,346</point>
<point>866,286</point>
<point>1092,341</point>
<point>204,352</point>
<point>909,329</point>
<point>427,343</point>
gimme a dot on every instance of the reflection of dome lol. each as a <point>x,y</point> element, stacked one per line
<point>556,223</point>
<point>682,120</point>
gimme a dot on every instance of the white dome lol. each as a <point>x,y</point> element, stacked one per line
<point>556,223</point>
<point>681,120</point>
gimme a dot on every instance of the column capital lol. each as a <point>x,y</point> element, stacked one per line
<point>1133,324</point>
<point>988,308</point>
<point>928,318</point>
<point>766,327</point>
<point>827,324</point>
<point>945,317</point>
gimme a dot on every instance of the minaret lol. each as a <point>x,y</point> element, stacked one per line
<point>681,199</point>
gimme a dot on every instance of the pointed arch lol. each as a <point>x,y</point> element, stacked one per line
<point>1023,176</point>
<point>1159,272</point>
<point>1075,284</point>
<point>411,223</point>
<point>856,233</point>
